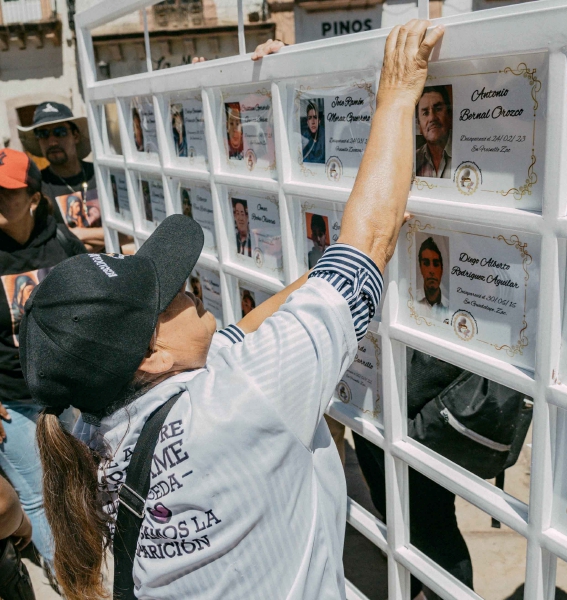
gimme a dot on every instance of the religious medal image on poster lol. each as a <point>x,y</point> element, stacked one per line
<point>196,202</point>
<point>251,297</point>
<point>206,286</point>
<point>144,125</point>
<point>80,213</point>
<point>248,132</point>
<point>480,132</point>
<point>329,130</point>
<point>257,232</point>
<point>119,195</point>
<point>188,129</point>
<point>474,286</point>
<point>153,208</point>
<point>361,385</point>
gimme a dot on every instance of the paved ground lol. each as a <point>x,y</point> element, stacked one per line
<point>498,555</point>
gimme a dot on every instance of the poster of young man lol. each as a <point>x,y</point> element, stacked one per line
<point>248,132</point>
<point>188,129</point>
<point>480,132</point>
<point>257,231</point>
<point>196,202</point>
<point>251,297</point>
<point>153,200</point>
<point>329,129</point>
<point>119,195</point>
<point>205,284</point>
<point>474,286</point>
<point>144,125</point>
<point>81,213</point>
<point>112,128</point>
<point>361,385</point>
<point>322,227</point>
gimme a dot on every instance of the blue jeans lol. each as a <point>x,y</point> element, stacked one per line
<point>19,459</point>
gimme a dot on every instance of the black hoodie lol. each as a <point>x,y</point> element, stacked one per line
<point>22,267</point>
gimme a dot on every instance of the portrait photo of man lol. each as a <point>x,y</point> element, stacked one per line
<point>247,301</point>
<point>114,187</point>
<point>432,293</point>
<point>234,131</point>
<point>186,206</point>
<point>147,201</point>
<point>241,223</point>
<point>312,123</point>
<point>318,234</point>
<point>137,129</point>
<point>434,132</point>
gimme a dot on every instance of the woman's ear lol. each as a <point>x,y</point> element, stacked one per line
<point>157,362</point>
<point>35,200</point>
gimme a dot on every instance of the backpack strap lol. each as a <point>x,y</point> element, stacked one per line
<point>132,498</point>
<point>65,242</point>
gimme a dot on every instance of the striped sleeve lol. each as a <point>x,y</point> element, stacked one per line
<point>357,278</point>
<point>233,333</point>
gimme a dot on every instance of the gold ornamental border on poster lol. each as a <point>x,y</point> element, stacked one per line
<point>270,198</point>
<point>368,86</point>
<point>514,241</point>
<point>377,353</point>
<point>522,70</point>
<point>226,97</point>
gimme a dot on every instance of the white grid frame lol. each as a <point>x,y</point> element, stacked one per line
<point>526,28</point>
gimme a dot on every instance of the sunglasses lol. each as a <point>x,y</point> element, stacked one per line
<point>58,132</point>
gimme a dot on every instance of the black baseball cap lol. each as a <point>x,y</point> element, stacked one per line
<point>88,325</point>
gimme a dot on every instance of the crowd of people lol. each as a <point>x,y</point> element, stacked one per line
<point>246,495</point>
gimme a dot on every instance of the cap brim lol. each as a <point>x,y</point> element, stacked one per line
<point>11,184</point>
<point>174,248</point>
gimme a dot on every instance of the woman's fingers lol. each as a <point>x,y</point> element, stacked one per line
<point>268,47</point>
<point>429,42</point>
<point>416,35</point>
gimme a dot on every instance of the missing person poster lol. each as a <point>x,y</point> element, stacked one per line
<point>196,202</point>
<point>361,385</point>
<point>144,125</point>
<point>119,194</point>
<point>188,129</point>
<point>112,128</point>
<point>257,231</point>
<point>480,132</point>
<point>251,297</point>
<point>153,209</point>
<point>330,128</point>
<point>473,286</point>
<point>205,284</point>
<point>248,132</point>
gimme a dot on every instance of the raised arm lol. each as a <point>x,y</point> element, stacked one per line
<point>375,210</point>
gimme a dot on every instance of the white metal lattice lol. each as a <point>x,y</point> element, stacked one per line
<point>526,28</point>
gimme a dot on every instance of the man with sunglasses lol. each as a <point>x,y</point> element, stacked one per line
<point>64,141</point>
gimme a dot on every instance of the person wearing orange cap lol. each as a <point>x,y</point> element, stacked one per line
<point>31,243</point>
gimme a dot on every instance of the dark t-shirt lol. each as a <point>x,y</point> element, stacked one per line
<point>22,267</point>
<point>65,193</point>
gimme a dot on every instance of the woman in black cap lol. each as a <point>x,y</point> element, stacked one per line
<point>30,245</point>
<point>247,497</point>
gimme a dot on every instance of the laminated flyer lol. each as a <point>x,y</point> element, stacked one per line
<point>188,129</point>
<point>329,131</point>
<point>480,132</point>
<point>251,297</point>
<point>361,385</point>
<point>119,190</point>
<point>144,131</point>
<point>196,202</point>
<point>474,286</point>
<point>153,200</point>
<point>257,232</point>
<point>205,284</point>
<point>248,132</point>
